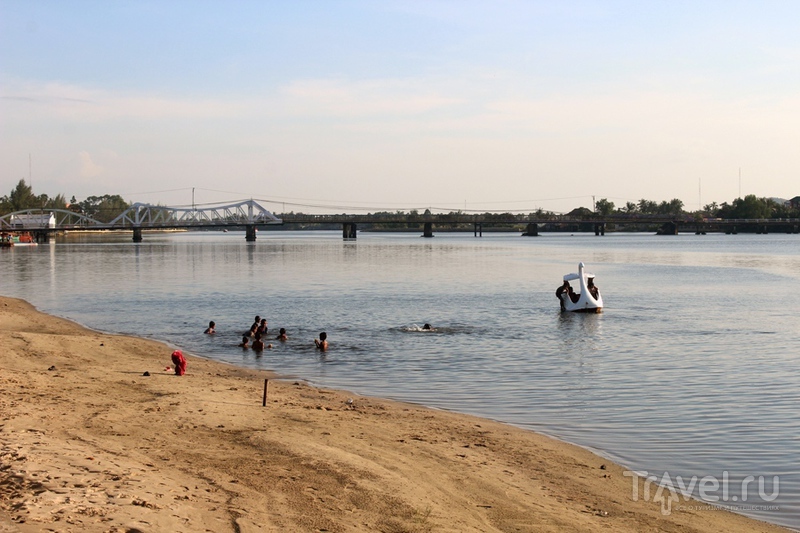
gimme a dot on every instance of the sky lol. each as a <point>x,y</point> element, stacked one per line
<point>382,105</point>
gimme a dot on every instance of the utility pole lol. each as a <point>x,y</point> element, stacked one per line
<point>740,183</point>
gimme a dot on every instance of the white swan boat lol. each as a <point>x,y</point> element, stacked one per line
<point>583,301</point>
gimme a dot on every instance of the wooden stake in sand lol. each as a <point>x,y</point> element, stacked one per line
<point>266,387</point>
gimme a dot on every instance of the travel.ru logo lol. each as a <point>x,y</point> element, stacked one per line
<point>747,493</point>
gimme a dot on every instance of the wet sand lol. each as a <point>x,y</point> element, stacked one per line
<point>89,443</point>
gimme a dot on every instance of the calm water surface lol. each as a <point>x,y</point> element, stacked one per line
<point>692,370</point>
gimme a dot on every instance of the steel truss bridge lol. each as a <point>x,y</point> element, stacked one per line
<point>250,215</point>
<point>139,217</point>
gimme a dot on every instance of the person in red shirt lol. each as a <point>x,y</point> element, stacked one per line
<point>180,362</point>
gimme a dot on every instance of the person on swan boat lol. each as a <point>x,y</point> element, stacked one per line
<point>588,300</point>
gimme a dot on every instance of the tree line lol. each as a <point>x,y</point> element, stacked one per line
<point>748,207</point>
<point>107,207</point>
<point>102,208</point>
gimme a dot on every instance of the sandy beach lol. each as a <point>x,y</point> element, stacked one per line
<point>90,443</point>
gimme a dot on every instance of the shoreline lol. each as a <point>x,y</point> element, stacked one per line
<point>89,443</point>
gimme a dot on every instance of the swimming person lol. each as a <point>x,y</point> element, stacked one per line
<point>254,327</point>
<point>211,328</point>
<point>282,335</point>
<point>245,342</point>
<point>322,343</point>
<point>258,344</point>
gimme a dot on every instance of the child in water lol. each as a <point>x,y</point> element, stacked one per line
<point>245,342</point>
<point>322,343</point>
<point>211,328</point>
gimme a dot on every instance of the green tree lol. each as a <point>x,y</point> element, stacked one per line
<point>103,208</point>
<point>648,207</point>
<point>673,207</point>
<point>711,208</point>
<point>603,207</point>
<point>748,207</point>
<point>22,197</point>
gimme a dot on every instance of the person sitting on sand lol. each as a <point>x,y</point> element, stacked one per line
<point>282,335</point>
<point>322,342</point>
<point>245,342</point>
<point>211,328</point>
<point>180,362</point>
<point>258,344</point>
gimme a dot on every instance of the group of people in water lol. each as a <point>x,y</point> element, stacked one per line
<point>258,333</point>
<point>575,296</point>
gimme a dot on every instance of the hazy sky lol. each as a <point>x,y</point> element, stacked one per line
<point>385,105</point>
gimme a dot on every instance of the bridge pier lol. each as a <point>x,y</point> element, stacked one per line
<point>41,236</point>
<point>531,230</point>
<point>478,230</point>
<point>250,233</point>
<point>600,228</point>
<point>349,230</point>
<point>137,234</point>
<point>427,230</point>
<point>669,228</point>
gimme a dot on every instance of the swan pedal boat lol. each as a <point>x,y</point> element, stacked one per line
<point>586,302</point>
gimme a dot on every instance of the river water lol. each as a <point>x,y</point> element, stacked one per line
<point>692,370</point>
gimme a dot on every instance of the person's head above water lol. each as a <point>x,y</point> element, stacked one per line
<point>427,326</point>
<point>323,336</point>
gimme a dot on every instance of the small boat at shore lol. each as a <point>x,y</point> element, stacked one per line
<point>588,300</point>
<point>8,240</point>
